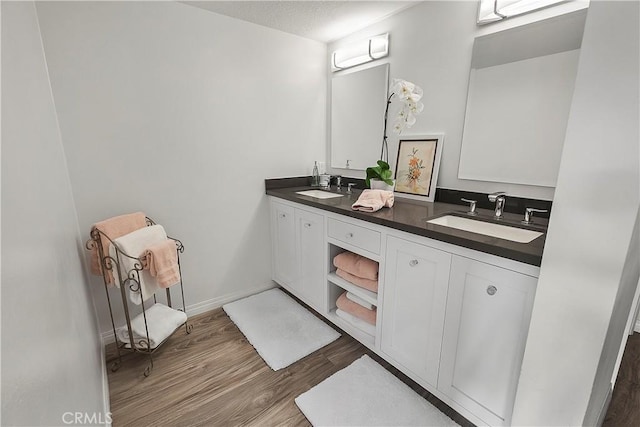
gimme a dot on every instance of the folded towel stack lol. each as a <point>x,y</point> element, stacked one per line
<point>373,200</point>
<point>358,270</point>
<point>353,308</point>
<point>161,322</point>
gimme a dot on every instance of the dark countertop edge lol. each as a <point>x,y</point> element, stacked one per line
<point>500,251</point>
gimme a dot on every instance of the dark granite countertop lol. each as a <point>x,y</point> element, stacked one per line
<point>411,216</point>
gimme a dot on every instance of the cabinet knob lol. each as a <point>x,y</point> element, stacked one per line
<point>348,235</point>
<point>307,224</point>
<point>491,290</point>
<point>282,215</point>
<point>413,262</point>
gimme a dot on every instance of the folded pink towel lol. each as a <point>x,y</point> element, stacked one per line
<point>345,304</point>
<point>162,261</point>
<point>371,285</point>
<point>373,200</point>
<point>114,227</point>
<point>357,265</point>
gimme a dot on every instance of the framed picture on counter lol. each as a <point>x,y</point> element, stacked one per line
<point>417,166</point>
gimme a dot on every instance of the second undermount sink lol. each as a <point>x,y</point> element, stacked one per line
<point>492,229</point>
<point>318,194</point>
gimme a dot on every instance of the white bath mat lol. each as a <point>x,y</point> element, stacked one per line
<point>280,329</point>
<point>366,394</point>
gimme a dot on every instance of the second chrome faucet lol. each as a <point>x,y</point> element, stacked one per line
<point>498,198</point>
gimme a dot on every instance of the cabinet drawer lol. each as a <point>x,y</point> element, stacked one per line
<point>355,235</point>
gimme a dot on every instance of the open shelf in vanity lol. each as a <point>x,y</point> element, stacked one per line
<point>337,286</point>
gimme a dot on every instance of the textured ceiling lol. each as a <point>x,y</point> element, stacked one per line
<point>324,21</point>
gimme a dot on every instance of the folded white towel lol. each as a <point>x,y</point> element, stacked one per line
<point>365,327</point>
<point>360,301</point>
<point>134,244</point>
<point>161,322</point>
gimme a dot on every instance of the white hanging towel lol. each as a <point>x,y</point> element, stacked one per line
<point>161,322</point>
<point>134,244</point>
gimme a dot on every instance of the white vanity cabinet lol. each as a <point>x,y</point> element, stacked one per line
<point>487,320</point>
<point>453,319</point>
<point>298,252</point>
<point>416,280</point>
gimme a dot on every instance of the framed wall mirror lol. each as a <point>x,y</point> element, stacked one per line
<point>520,90</point>
<point>358,101</point>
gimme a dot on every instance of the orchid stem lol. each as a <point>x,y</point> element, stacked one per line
<point>384,151</point>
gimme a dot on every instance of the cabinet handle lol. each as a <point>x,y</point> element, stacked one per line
<point>413,262</point>
<point>307,224</point>
<point>283,215</point>
<point>348,235</point>
<point>491,290</point>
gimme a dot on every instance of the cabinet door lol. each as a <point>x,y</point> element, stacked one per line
<point>415,294</point>
<point>311,252</point>
<point>486,326</point>
<point>283,239</point>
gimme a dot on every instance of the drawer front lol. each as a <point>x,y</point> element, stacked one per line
<point>355,235</point>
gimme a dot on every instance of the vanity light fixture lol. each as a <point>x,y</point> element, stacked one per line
<point>497,10</point>
<point>359,52</point>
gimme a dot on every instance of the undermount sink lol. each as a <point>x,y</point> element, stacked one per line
<point>318,194</point>
<point>500,231</point>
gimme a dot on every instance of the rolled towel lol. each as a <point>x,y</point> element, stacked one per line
<point>371,285</point>
<point>344,304</point>
<point>357,323</point>
<point>161,322</point>
<point>162,260</point>
<point>135,244</point>
<point>373,200</point>
<point>115,227</point>
<point>358,300</point>
<point>357,265</point>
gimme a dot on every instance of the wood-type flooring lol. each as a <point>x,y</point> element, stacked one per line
<point>214,377</point>
<point>624,409</point>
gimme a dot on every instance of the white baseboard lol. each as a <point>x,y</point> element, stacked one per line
<point>202,307</point>
<point>636,328</point>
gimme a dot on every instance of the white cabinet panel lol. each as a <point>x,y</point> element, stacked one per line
<point>487,320</point>
<point>311,252</point>
<point>283,244</point>
<point>415,294</point>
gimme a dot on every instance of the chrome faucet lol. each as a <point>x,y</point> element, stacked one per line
<point>498,198</point>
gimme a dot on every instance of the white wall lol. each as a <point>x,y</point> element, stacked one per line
<point>51,352</point>
<point>431,45</point>
<point>182,113</point>
<point>588,260</point>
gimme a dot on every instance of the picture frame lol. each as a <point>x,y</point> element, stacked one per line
<point>417,166</point>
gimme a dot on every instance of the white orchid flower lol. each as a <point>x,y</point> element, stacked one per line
<point>415,107</point>
<point>403,89</point>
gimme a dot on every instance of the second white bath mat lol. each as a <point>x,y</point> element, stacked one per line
<point>366,394</point>
<point>280,329</point>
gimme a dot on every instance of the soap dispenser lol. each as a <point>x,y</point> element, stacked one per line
<point>315,177</point>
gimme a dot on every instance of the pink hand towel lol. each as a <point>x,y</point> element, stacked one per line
<point>373,200</point>
<point>114,227</point>
<point>162,261</point>
<point>371,285</point>
<point>357,265</point>
<point>345,304</point>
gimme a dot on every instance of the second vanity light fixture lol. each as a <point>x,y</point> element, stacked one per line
<point>497,10</point>
<point>359,52</point>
